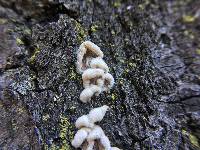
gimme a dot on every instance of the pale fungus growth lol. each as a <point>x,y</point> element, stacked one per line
<point>105,142</point>
<point>89,132</point>
<point>96,133</point>
<point>86,51</point>
<point>97,114</point>
<point>99,63</point>
<point>83,121</point>
<point>87,93</point>
<point>114,148</point>
<point>94,71</point>
<point>108,82</point>
<point>79,138</point>
<point>90,76</point>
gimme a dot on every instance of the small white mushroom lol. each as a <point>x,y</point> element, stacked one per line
<point>86,51</point>
<point>83,121</point>
<point>99,63</point>
<point>79,138</point>
<point>87,93</point>
<point>95,134</point>
<point>90,76</point>
<point>97,114</point>
<point>105,142</point>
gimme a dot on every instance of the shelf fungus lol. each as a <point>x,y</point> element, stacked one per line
<point>90,134</point>
<point>94,70</point>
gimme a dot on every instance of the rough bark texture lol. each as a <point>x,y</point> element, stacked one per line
<point>152,48</point>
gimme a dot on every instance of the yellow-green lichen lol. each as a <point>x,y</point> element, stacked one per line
<point>112,32</point>
<point>32,59</point>
<point>194,140</point>
<point>81,32</point>
<point>117,3</point>
<point>188,18</point>
<point>53,147</point>
<point>114,96</point>
<point>72,75</point>
<point>45,117</point>
<point>94,28</point>
<point>198,51</point>
<point>20,110</point>
<point>143,5</point>
<point>3,21</point>
<point>19,41</point>
<point>130,64</point>
<point>65,132</point>
<point>184,132</point>
<point>27,31</point>
<point>189,34</point>
<point>121,81</point>
<point>126,71</point>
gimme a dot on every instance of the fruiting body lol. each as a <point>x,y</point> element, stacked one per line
<point>87,93</point>
<point>94,71</point>
<point>97,114</point>
<point>108,82</point>
<point>96,133</point>
<point>86,51</point>
<point>99,63</point>
<point>105,142</point>
<point>79,138</point>
<point>83,121</point>
<point>90,76</point>
<point>90,132</point>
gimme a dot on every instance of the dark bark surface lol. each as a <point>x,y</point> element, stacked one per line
<point>151,47</point>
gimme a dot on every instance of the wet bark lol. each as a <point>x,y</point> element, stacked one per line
<point>151,47</point>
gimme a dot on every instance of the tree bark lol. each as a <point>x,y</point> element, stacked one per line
<point>151,47</point>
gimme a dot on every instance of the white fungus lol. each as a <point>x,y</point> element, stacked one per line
<point>96,133</point>
<point>108,82</point>
<point>94,71</point>
<point>90,76</point>
<point>79,138</point>
<point>105,142</point>
<point>83,121</point>
<point>90,132</point>
<point>99,63</point>
<point>97,114</point>
<point>114,148</point>
<point>87,93</point>
<point>86,51</point>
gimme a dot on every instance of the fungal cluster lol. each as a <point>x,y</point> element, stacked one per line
<point>89,132</point>
<point>94,70</point>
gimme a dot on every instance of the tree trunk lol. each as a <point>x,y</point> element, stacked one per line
<point>151,47</point>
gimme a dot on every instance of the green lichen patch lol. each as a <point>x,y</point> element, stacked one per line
<point>117,3</point>
<point>3,21</point>
<point>73,75</point>
<point>114,96</point>
<point>143,5</point>
<point>32,59</point>
<point>188,18</point>
<point>82,33</point>
<point>194,140</point>
<point>198,51</point>
<point>19,41</point>
<point>65,132</point>
<point>94,28</point>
